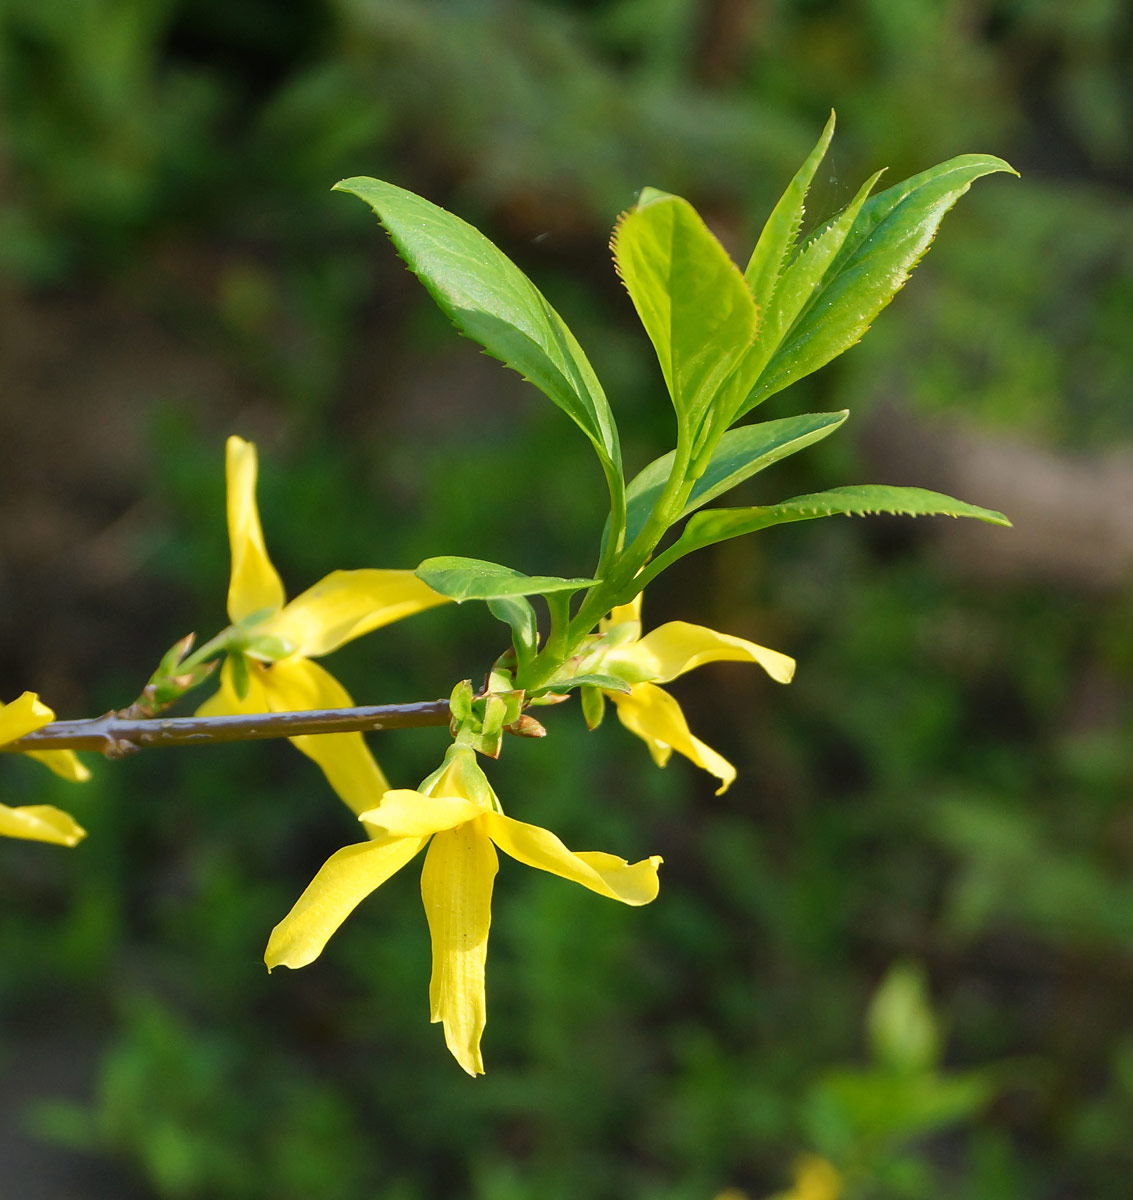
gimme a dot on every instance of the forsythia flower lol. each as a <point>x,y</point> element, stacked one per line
<point>272,671</point>
<point>458,810</point>
<point>663,654</point>
<point>39,822</point>
<point>815,1179</point>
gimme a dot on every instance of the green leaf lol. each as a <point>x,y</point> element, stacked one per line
<point>691,298</point>
<point>608,683</point>
<point>487,297</point>
<point>720,524</point>
<point>463,579</point>
<point>518,613</point>
<point>739,454</point>
<point>782,229</point>
<point>884,243</point>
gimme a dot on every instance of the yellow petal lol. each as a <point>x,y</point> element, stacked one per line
<point>405,813</point>
<point>24,715</point>
<point>624,614</point>
<point>41,823</point>
<point>656,717</point>
<point>343,881</point>
<point>63,762</point>
<point>676,647</point>
<point>815,1179</point>
<point>456,887</point>
<point>347,604</point>
<point>297,683</point>
<point>254,583</point>
<point>606,874</point>
<point>226,700</point>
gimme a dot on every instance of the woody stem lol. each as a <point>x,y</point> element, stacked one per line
<point>115,736</point>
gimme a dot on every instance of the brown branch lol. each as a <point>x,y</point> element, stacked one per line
<point>116,736</point>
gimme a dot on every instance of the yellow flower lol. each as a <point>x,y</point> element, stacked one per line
<point>273,671</point>
<point>458,810</point>
<point>661,655</point>
<point>815,1179</point>
<point>39,822</point>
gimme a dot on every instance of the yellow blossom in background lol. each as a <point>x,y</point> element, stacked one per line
<point>816,1178</point>
<point>459,812</point>
<point>273,671</point>
<point>39,822</point>
<point>661,655</point>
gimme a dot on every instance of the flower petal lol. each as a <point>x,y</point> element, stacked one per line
<point>347,604</point>
<point>41,823</point>
<point>297,683</point>
<point>227,701</point>
<point>24,715</point>
<point>606,874</point>
<point>456,887</point>
<point>406,813</point>
<point>676,647</point>
<point>656,717</point>
<point>343,881</point>
<point>624,614</point>
<point>254,584</point>
<point>64,763</point>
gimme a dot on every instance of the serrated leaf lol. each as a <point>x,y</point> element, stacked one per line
<point>488,298</point>
<point>779,235</point>
<point>463,579</point>
<point>886,241</point>
<point>739,454</point>
<point>695,305</point>
<point>720,524</point>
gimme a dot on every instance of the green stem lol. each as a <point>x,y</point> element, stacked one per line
<point>619,582</point>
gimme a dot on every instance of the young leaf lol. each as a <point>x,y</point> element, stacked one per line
<point>782,229</point>
<point>608,683</point>
<point>518,613</point>
<point>739,454</point>
<point>488,298</point>
<point>690,296</point>
<point>720,524</point>
<point>886,241</point>
<point>807,271</point>
<point>463,579</point>
<point>796,286</point>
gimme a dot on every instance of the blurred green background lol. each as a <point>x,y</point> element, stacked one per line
<point>935,818</point>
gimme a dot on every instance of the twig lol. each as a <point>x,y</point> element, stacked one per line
<point>116,736</point>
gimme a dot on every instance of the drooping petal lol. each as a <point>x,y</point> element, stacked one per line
<point>343,881</point>
<point>347,604</point>
<point>26,714</point>
<point>64,763</point>
<point>41,823</point>
<point>23,715</point>
<point>606,874</point>
<point>676,647</point>
<point>656,718</point>
<point>254,584</point>
<point>456,887</point>
<point>405,813</point>
<point>297,683</point>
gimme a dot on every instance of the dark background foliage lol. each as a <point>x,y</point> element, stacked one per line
<point>947,782</point>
